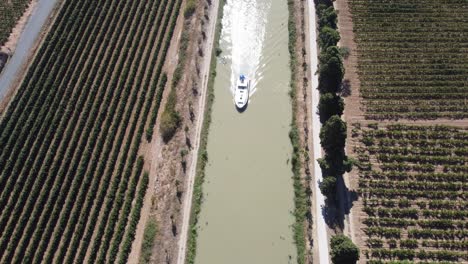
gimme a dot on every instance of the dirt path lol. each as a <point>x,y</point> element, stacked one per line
<point>205,71</point>
<point>153,151</point>
<point>321,227</point>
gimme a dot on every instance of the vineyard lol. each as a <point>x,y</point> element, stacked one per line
<point>413,182</point>
<point>412,58</point>
<point>10,12</point>
<point>72,181</point>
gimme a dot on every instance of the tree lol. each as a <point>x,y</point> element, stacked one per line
<point>330,105</point>
<point>331,70</point>
<point>333,136</point>
<point>328,186</point>
<point>328,37</point>
<point>327,15</point>
<point>344,251</point>
<point>337,164</point>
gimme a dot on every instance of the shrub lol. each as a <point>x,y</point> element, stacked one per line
<point>333,135</point>
<point>327,14</point>
<point>190,8</point>
<point>218,51</point>
<point>330,105</point>
<point>331,70</point>
<point>148,241</point>
<point>328,37</point>
<point>345,52</point>
<point>328,186</point>
<point>344,251</point>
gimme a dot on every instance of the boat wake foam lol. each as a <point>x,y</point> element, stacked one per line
<point>243,35</point>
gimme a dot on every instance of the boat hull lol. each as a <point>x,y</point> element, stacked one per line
<point>241,95</point>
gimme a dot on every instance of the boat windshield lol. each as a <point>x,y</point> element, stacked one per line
<point>241,87</point>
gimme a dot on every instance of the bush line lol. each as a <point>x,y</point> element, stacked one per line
<point>333,133</point>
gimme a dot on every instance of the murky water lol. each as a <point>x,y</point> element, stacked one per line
<point>246,216</point>
<point>29,35</point>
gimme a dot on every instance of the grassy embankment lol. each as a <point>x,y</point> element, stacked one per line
<point>149,236</point>
<point>202,152</point>
<point>300,197</point>
<point>170,118</point>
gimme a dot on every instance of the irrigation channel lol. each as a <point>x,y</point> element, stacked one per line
<point>246,215</point>
<point>26,41</point>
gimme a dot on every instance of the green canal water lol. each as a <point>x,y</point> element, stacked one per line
<point>246,215</point>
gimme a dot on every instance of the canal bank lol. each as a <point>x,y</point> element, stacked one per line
<point>246,215</point>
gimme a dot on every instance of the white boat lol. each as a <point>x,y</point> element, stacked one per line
<point>241,93</point>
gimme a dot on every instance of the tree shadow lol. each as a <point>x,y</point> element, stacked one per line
<point>345,88</point>
<point>3,60</point>
<point>346,199</point>
<point>336,210</point>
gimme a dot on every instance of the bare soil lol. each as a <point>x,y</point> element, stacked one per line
<point>168,169</point>
<point>353,113</point>
<point>160,170</point>
<point>122,37</point>
<point>351,79</point>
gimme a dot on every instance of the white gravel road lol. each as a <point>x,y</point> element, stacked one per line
<point>322,237</point>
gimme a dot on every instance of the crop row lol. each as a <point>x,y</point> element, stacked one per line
<point>64,166</point>
<point>76,137</point>
<point>414,195</point>
<point>14,195</point>
<point>118,190</point>
<point>76,208</point>
<point>412,51</point>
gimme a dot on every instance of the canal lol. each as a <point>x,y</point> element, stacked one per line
<point>28,37</point>
<point>246,215</point>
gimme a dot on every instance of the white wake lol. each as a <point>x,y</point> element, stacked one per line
<point>243,35</point>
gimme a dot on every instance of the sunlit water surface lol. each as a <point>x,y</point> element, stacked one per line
<point>246,216</point>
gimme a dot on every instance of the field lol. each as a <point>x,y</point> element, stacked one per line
<point>10,12</point>
<point>412,166</point>
<point>413,58</point>
<point>413,182</point>
<point>72,181</point>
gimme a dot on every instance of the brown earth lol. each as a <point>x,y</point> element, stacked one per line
<point>353,113</point>
<point>153,151</point>
<point>160,180</point>
<point>303,119</point>
<point>149,49</point>
<point>87,61</point>
<point>167,168</point>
